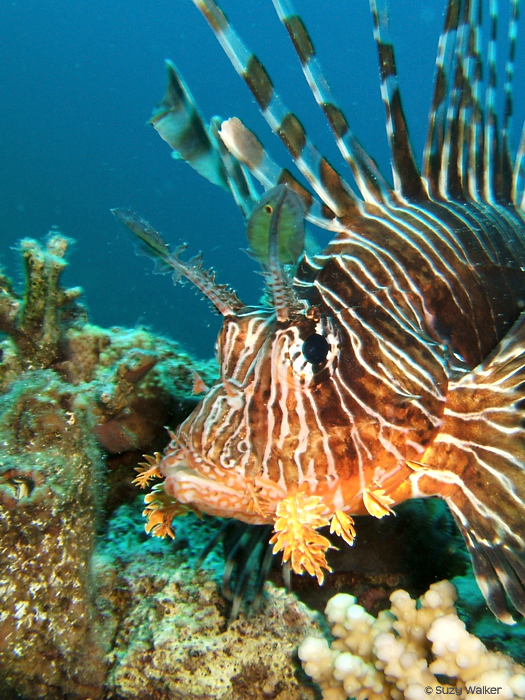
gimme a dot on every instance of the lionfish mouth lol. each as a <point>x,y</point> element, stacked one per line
<point>193,481</point>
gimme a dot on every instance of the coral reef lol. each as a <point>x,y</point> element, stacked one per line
<point>407,652</point>
<point>134,381</point>
<point>33,322</point>
<point>50,495</point>
<point>168,621</point>
<point>131,382</point>
<point>51,492</point>
<point>69,394</point>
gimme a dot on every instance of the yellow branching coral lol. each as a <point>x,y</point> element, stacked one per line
<point>148,470</point>
<point>299,516</point>
<point>160,511</point>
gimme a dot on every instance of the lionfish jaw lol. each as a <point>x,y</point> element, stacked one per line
<point>191,480</point>
<point>185,477</point>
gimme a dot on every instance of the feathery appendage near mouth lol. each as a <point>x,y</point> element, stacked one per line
<point>190,483</point>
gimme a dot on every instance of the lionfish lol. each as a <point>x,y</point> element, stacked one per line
<point>391,365</point>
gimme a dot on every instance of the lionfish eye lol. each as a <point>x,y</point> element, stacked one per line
<point>315,349</point>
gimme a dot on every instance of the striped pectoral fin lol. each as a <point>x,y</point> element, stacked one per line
<point>490,527</point>
<point>477,464</point>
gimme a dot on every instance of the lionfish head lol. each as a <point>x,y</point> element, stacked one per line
<point>267,370</point>
<point>255,433</point>
<point>283,436</point>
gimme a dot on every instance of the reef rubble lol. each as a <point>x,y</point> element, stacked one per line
<point>168,622</point>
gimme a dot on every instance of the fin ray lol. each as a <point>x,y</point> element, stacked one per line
<point>323,178</point>
<point>477,464</point>
<point>371,184</point>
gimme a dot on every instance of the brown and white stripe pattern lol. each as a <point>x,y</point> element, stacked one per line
<point>421,391</point>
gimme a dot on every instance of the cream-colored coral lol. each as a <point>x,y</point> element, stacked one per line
<point>400,654</point>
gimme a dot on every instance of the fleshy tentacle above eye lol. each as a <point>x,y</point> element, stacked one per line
<point>276,237</point>
<point>224,299</point>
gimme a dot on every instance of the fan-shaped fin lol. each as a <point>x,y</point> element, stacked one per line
<point>477,464</point>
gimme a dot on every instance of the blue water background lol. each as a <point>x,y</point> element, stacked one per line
<point>78,82</point>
